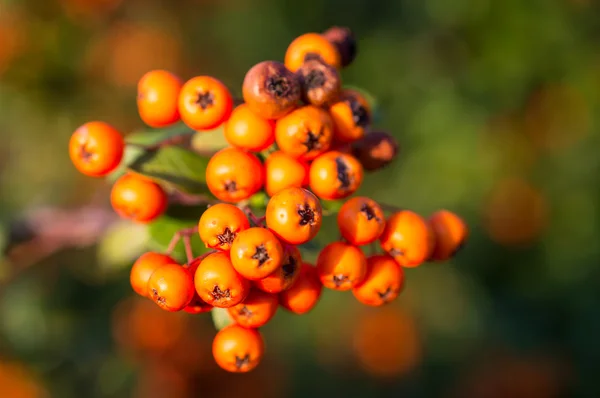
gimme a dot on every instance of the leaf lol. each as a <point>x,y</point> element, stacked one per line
<point>176,166</point>
<point>207,141</point>
<point>162,230</point>
<point>375,108</point>
<point>331,207</point>
<point>113,254</point>
<point>221,318</point>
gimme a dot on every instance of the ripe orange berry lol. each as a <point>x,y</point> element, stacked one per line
<point>351,116</point>
<point>311,46</point>
<point>218,283</point>
<point>204,103</point>
<point>233,175</point>
<point>304,133</point>
<point>256,310</point>
<point>335,175</point>
<point>143,268</point>
<point>220,224</point>
<point>171,287</point>
<point>96,149</point>
<point>157,98</point>
<point>284,276</point>
<point>344,40</point>
<point>270,90</point>
<point>294,215</point>
<point>247,130</point>
<point>304,294</point>
<point>197,305</point>
<point>361,220</point>
<point>138,198</point>
<point>450,232</point>
<point>383,282</point>
<point>256,252</point>
<point>284,171</point>
<point>321,83</point>
<point>237,349</point>
<point>341,266</point>
<point>375,150</point>
<point>408,238</point>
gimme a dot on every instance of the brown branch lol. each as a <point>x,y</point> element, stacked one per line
<point>183,139</point>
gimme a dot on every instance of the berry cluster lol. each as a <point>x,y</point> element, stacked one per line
<point>300,137</point>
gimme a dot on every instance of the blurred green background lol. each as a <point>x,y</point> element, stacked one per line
<point>495,104</point>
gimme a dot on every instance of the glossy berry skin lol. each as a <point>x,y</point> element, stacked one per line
<point>218,283</point>
<point>171,287</point>
<point>450,232</point>
<point>408,238</point>
<point>294,215</point>
<point>220,224</point>
<point>305,293</point>
<point>197,305</point>
<point>143,268</point>
<point>285,276</point>
<point>247,130</point>
<point>284,171</point>
<point>321,83</point>
<point>311,46</point>
<point>360,220</point>
<point>96,149</point>
<point>204,103</point>
<point>341,266</point>
<point>271,90</point>
<point>157,98</point>
<point>137,198</point>
<point>237,349</point>
<point>383,281</point>
<point>233,175</point>
<point>335,175</point>
<point>351,116</point>
<point>256,310</point>
<point>304,133</point>
<point>256,252</point>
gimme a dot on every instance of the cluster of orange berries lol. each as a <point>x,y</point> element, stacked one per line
<point>300,137</point>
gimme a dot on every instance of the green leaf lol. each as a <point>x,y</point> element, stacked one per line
<point>207,141</point>
<point>221,318</point>
<point>331,207</point>
<point>375,108</point>
<point>174,166</point>
<point>162,230</point>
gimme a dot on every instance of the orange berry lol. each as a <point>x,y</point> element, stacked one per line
<point>450,232</point>
<point>233,175</point>
<point>157,98</point>
<point>238,350</point>
<point>218,283</point>
<point>375,150</point>
<point>171,287</point>
<point>138,198</point>
<point>304,294</point>
<point>256,252</point>
<point>284,276</point>
<point>96,149</point>
<point>351,116</point>
<point>335,175</point>
<point>220,224</point>
<point>143,268</point>
<point>304,133</point>
<point>204,103</point>
<point>341,266</point>
<point>321,83</point>
<point>383,281</point>
<point>197,305</point>
<point>344,40</point>
<point>284,171</point>
<point>294,215</point>
<point>247,130</point>
<point>311,46</point>
<point>270,90</point>
<point>256,310</point>
<point>408,238</point>
<point>361,220</point>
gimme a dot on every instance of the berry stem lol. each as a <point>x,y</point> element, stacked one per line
<point>187,199</point>
<point>200,257</point>
<point>187,244</point>
<point>184,234</point>
<point>257,221</point>
<point>179,139</point>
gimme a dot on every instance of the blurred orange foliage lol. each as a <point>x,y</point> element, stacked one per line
<point>13,35</point>
<point>17,382</point>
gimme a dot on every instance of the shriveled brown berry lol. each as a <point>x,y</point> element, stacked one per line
<point>321,83</point>
<point>375,150</point>
<point>344,40</point>
<point>271,90</point>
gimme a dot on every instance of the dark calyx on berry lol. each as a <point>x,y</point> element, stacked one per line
<point>289,268</point>
<point>241,362</point>
<point>315,79</point>
<point>307,214</point>
<point>368,212</point>
<point>157,298</point>
<point>261,254</point>
<point>340,279</point>
<point>84,153</point>
<point>219,294</point>
<point>205,100</point>
<point>226,237</point>
<point>387,294</point>
<point>278,86</point>
<point>244,311</point>
<point>360,115</point>
<point>312,140</point>
<point>342,173</point>
<point>230,186</point>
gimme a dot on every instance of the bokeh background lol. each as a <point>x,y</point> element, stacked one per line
<point>495,104</point>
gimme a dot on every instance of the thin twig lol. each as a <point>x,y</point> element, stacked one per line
<point>390,208</point>
<point>187,244</point>
<point>187,232</point>
<point>257,221</point>
<point>179,139</point>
